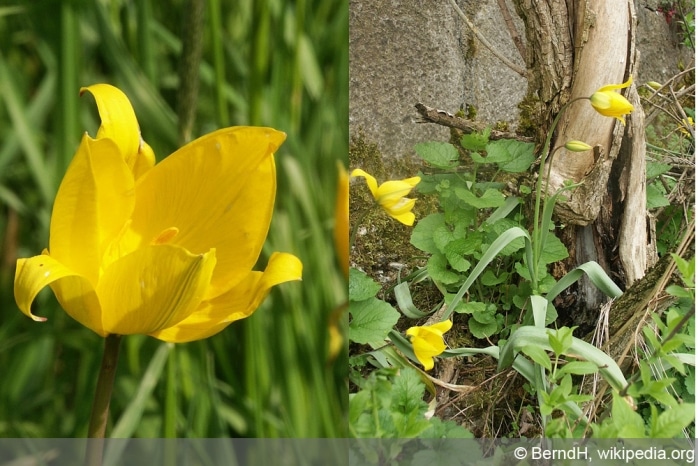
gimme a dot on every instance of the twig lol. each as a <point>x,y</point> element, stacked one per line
<point>440,117</point>
<point>518,42</point>
<point>489,46</point>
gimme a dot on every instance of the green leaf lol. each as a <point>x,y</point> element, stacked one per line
<point>538,355</point>
<point>628,422</point>
<point>510,155</point>
<point>560,340</point>
<point>490,198</point>
<point>423,233</point>
<point>654,169</point>
<point>490,279</point>
<point>407,392</point>
<point>438,269</point>
<point>371,320</point>
<point>671,422</point>
<point>655,197</point>
<point>480,330</point>
<point>554,250</point>
<point>456,260</point>
<point>579,368</point>
<point>361,286</point>
<point>469,307</point>
<point>438,154</point>
<point>405,303</point>
<point>475,141</point>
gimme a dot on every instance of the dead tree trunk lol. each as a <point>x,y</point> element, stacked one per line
<point>574,48</point>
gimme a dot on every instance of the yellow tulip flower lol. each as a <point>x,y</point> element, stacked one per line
<point>341,220</point>
<point>165,250</point>
<point>428,341</point>
<point>612,104</point>
<point>391,196</point>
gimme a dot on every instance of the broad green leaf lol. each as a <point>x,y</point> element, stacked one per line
<point>456,260</point>
<point>554,250</point>
<point>361,286</point>
<point>486,315</point>
<point>438,154</point>
<point>438,269</point>
<point>628,422</point>
<point>407,392</point>
<point>423,233</point>
<point>579,368</point>
<point>671,422</point>
<point>490,198</point>
<point>538,355</point>
<point>655,197</point>
<point>500,243</point>
<point>475,141</point>
<point>490,279</point>
<point>480,330</point>
<point>510,155</point>
<point>371,320</point>
<point>497,228</point>
<point>655,169</point>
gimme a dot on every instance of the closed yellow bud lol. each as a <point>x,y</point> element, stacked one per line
<point>577,146</point>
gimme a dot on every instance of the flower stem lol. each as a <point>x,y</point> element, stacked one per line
<point>536,213</point>
<point>100,404</point>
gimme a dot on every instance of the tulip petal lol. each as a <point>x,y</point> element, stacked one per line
<point>153,288</point>
<point>119,121</point>
<point>239,302</point>
<point>94,201</point>
<point>341,222</point>
<point>391,192</point>
<point>611,87</point>
<point>73,291</point>
<point>218,190</point>
<point>370,180</point>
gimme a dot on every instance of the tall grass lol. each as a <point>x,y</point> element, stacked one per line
<point>274,63</point>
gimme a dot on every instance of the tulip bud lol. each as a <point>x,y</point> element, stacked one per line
<point>654,85</point>
<point>577,146</point>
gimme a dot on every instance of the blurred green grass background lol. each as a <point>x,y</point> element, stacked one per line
<point>263,62</point>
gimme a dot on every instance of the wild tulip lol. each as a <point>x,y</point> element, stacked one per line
<point>165,250</point>
<point>612,104</point>
<point>391,196</point>
<point>428,341</point>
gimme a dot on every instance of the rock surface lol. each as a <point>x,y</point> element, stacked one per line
<point>402,53</point>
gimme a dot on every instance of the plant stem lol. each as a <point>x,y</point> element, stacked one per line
<point>100,405</point>
<point>536,213</point>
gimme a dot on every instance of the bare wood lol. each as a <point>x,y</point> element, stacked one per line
<point>443,118</point>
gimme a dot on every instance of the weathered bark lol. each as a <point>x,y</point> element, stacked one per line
<point>574,49</point>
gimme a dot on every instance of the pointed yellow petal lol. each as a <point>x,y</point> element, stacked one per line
<point>119,121</point>
<point>94,201</point>
<point>73,291</point>
<point>153,288</point>
<point>370,180</point>
<point>341,220</point>
<point>443,326</point>
<point>391,191</point>
<point>611,87</point>
<point>218,191</point>
<point>145,160</point>
<point>240,302</point>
